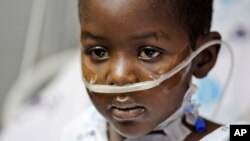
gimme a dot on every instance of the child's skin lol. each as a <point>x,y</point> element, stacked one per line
<point>126,41</point>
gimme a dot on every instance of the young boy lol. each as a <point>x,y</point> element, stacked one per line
<point>131,41</point>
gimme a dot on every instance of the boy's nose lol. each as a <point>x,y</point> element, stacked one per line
<point>121,72</point>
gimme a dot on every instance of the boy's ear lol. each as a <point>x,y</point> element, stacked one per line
<point>205,61</point>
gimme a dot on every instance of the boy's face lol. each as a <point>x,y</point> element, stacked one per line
<point>129,41</point>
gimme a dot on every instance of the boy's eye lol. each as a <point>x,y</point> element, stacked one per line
<point>98,53</point>
<point>148,53</point>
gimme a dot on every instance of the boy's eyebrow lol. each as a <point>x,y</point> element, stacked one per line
<point>155,35</point>
<point>87,34</point>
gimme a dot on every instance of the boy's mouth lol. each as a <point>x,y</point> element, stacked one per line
<point>127,112</point>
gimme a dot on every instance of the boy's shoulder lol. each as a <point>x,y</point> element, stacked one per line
<point>219,134</point>
<point>214,132</point>
<point>222,133</point>
<point>90,125</point>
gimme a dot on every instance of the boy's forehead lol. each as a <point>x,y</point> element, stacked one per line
<point>126,3</point>
<point>123,18</point>
<point>126,12</point>
<point>120,7</point>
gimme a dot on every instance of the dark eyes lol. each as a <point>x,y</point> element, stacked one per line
<point>149,53</point>
<point>98,53</point>
<point>145,53</point>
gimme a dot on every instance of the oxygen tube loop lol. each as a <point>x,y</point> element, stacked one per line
<point>111,89</point>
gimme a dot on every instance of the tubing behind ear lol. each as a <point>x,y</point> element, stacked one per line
<point>207,58</point>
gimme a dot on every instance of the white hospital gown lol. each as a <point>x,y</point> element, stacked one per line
<point>91,126</point>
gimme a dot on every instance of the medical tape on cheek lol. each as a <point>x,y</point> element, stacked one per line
<point>168,88</point>
<point>168,61</point>
<point>177,78</point>
<point>89,72</point>
<point>166,67</point>
<point>111,89</point>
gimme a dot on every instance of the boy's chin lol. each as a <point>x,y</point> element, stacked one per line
<point>131,131</point>
<point>131,135</point>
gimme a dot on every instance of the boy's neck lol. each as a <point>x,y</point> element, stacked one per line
<point>113,135</point>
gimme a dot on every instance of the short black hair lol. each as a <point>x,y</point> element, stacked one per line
<point>194,16</point>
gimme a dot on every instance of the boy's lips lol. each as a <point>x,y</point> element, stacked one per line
<point>127,112</point>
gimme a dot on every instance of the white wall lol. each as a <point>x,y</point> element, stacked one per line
<point>14,19</point>
<point>59,30</point>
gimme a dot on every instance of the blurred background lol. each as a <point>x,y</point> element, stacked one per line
<point>40,81</point>
<point>31,31</point>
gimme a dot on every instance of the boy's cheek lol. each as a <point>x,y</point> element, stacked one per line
<point>88,73</point>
